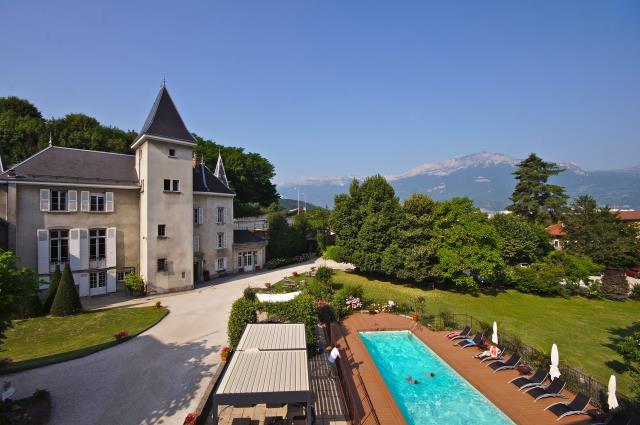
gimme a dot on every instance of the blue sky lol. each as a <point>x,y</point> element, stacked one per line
<point>345,87</point>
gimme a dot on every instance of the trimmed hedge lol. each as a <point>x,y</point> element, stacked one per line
<point>67,300</point>
<point>243,312</point>
<point>274,263</point>
<point>301,309</point>
<point>53,288</point>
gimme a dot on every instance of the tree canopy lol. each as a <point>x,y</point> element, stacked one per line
<point>600,234</point>
<point>17,287</point>
<point>534,198</point>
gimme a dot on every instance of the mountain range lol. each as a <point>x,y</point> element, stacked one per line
<point>485,177</point>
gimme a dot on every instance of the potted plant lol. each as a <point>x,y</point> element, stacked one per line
<point>224,353</point>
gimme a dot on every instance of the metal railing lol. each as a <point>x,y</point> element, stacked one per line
<point>342,365</point>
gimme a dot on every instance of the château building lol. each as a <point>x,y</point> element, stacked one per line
<point>159,212</point>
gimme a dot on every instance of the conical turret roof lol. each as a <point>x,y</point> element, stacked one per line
<point>164,120</point>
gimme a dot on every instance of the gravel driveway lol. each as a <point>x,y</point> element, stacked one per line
<point>157,377</point>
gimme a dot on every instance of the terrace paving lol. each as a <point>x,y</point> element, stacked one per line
<point>370,396</point>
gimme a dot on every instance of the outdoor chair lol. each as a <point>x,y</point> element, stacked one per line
<point>618,418</point>
<point>554,389</point>
<point>476,341</point>
<point>512,363</point>
<point>524,382</point>
<point>464,333</point>
<point>577,406</point>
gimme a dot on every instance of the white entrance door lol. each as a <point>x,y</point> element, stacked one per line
<point>97,283</point>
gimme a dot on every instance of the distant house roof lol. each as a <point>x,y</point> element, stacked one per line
<point>205,181</point>
<point>164,120</point>
<point>241,236</point>
<point>556,230</point>
<point>67,165</point>
<point>629,215</point>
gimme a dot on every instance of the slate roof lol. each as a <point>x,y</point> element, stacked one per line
<point>242,236</point>
<point>164,120</point>
<point>205,181</point>
<point>68,165</point>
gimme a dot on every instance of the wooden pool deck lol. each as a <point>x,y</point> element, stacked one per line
<point>372,403</point>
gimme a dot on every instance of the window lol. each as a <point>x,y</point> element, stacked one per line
<point>58,246</point>
<point>122,273</point>
<point>97,280</point>
<point>196,243</point>
<point>172,153</point>
<point>58,200</point>
<point>97,244</point>
<point>96,202</point>
<point>220,264</point>
<point>248,258</point>
<point>162,264</point>
<point>220,215</point>
<point>220,240</point>
<point>171,185</point>
<point>198,215</point>
<point>162,230</point>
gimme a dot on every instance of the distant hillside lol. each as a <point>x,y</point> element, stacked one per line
<point>290,204</point>
<point>487,179</point>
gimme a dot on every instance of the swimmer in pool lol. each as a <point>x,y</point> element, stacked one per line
<point>431,374</point>
<point>411,380</point>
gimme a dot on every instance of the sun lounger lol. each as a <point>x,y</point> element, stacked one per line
<point>511,363</point>
<point>554,389</point>
<point>577,406</point>
<point>617,419</point>
<point>459,335</point>
<point>477,340</point>
<point>524,382</point>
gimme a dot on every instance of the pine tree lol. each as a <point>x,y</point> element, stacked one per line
<point>533,198</point>
<point>615,285</point>
<point>53,288</point>
<point>67,300</point>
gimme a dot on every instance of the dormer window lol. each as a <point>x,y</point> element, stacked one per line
<point>172,153</point>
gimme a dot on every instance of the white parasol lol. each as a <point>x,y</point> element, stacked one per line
<point>612,400</point>
<point>494,336</point>
<point>554,372</point>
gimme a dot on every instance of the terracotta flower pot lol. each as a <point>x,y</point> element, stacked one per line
<point>414,316</point>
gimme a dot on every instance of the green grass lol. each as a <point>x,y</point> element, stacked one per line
<point>585,330</point>
<point>44,340</point>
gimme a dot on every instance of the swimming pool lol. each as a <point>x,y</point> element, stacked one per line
<point>447,398</point>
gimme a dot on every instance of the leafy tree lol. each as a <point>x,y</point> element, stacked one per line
<point>379,209</point>
<point>346,220</point>
<point>522,242</point>
<point>629,349</point>
<point>412,256</point>
<point>249,174</point>
<point>318,219</point>
<point>53,289</point>
<point>468,246</point>
<point>600,234</point>
<point>17,287</point>
<point>533,198</point>
<point>284,240</point>
<point>21,129</point>
<point>614,285</point>
<point>67,300</point>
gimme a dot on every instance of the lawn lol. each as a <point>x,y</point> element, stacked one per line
<point>584,329</point>
<point>43,340</point>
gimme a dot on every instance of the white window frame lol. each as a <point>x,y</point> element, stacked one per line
<point>56,197</point>
<point>120,274</point>
<point>97,279</point>
<point>58,240</point>
<point>99,233</point>
<point>219,261</point>
<point>98,196</point>
<point>220,215</point>
<point>221,240</point>
<point>196,243</point>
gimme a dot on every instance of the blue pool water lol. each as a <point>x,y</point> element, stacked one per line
<point>446,398</point>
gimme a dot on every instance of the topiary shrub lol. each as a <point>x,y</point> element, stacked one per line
<point>67,300</point>
<point>53,288</point>
<point>614,285</point>
<point>323,274</point>
<point>249,293</point>
<point>135,283</point>
<point>242,313</point>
